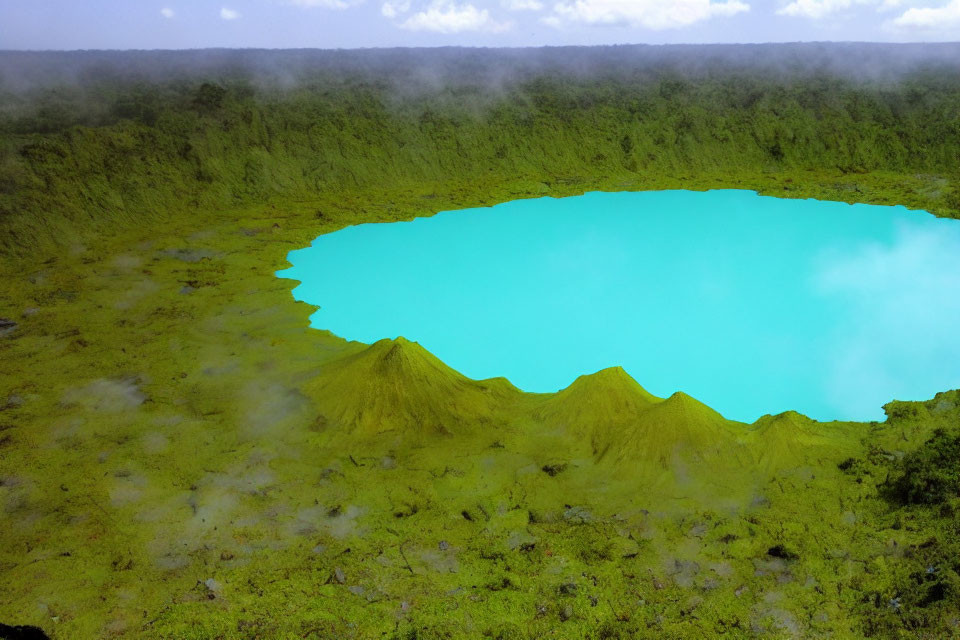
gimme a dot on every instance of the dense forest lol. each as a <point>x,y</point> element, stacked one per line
<point>96,136</point>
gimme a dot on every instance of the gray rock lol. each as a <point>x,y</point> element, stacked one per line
<point>188,255</point>
<point>577,515</point>
<point>943,406</point>
<point>521,540</point>
<point>172,561</point>
<point>683,572</point>
<point>7,327</point>
<point>339,576</point>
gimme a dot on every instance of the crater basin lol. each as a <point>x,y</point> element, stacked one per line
<point>751,304</point>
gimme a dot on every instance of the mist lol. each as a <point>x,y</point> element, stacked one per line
<point>24,71</point>
<point>47,92</point>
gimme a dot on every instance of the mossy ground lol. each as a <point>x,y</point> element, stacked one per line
<point>166,473</point>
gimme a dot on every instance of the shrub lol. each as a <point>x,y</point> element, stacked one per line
<point>931,474</point>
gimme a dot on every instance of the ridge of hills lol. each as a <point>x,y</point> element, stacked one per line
<point>397,387</point>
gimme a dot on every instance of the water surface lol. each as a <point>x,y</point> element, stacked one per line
<point>751,304</point>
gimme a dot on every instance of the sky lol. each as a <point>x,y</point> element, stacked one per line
<point>183,24</point>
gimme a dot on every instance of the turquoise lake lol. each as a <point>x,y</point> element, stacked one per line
<point>751,304</point>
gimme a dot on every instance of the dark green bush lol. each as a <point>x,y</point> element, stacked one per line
<point>931,474</point>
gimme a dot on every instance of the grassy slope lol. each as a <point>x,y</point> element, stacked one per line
<point>171,420</point>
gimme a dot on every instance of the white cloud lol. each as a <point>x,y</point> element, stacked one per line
<point>167,12</point>
<point>816,9</point>
<point>522,5</point>
<point>930,18</point>
<point>445,16</point>
<point>229,14</point>
<point>652,14</point>
<point>326,4</point>
<point>393,9</point>
<point>902,300</point>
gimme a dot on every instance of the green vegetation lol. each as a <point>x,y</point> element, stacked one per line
<point>931,474</point>
<point>916,594</point>
<point>182,457</point>
<point>195,146</point>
